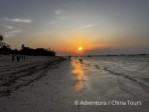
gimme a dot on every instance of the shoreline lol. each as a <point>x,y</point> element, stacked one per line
<point>15,75</point>
<point>59,85</point>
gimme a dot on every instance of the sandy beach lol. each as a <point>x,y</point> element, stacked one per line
<point>74,55</point>
<point>52,85</point>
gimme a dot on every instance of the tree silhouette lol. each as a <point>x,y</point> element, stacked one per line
<point>37,51</point>
<point>1,40</point>
<point>5,49</point>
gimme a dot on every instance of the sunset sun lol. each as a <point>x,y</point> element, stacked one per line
<point>80,48</point>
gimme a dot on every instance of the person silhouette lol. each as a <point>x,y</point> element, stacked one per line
<point>13,57</point>
<point>22,57</point>
<point>18,58</point>
<point>81,61</point>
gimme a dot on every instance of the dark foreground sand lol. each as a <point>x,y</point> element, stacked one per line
<point>53,85</point>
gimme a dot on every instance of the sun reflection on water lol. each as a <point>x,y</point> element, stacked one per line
<point>79,76</point>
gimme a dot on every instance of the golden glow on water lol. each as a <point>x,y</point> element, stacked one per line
<point>79,76</point>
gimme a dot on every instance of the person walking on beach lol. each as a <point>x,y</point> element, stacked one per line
<point>24,57</point>
<point>18,58</point>
<point>13,57</point>
<point>81,61</point>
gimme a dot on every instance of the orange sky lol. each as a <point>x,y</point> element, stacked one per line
<point>63,26</point>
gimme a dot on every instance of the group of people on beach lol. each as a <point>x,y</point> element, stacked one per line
<point>80,60</point>
<point>18,57</point>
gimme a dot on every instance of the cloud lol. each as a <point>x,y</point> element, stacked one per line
<point>12,33</point>
<point>59,11</point>
<point>7,26</point>
<point>86,26</point>
<point>52,22</point>
<point>19,20</point>
<point>62,17</point>
<point>61,14</point>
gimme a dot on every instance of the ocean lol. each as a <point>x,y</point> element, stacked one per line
<point>117,79</point>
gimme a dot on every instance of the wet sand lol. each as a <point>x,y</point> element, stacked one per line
<point>61,86</point>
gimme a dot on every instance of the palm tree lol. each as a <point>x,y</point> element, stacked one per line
<point>1,39</point>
